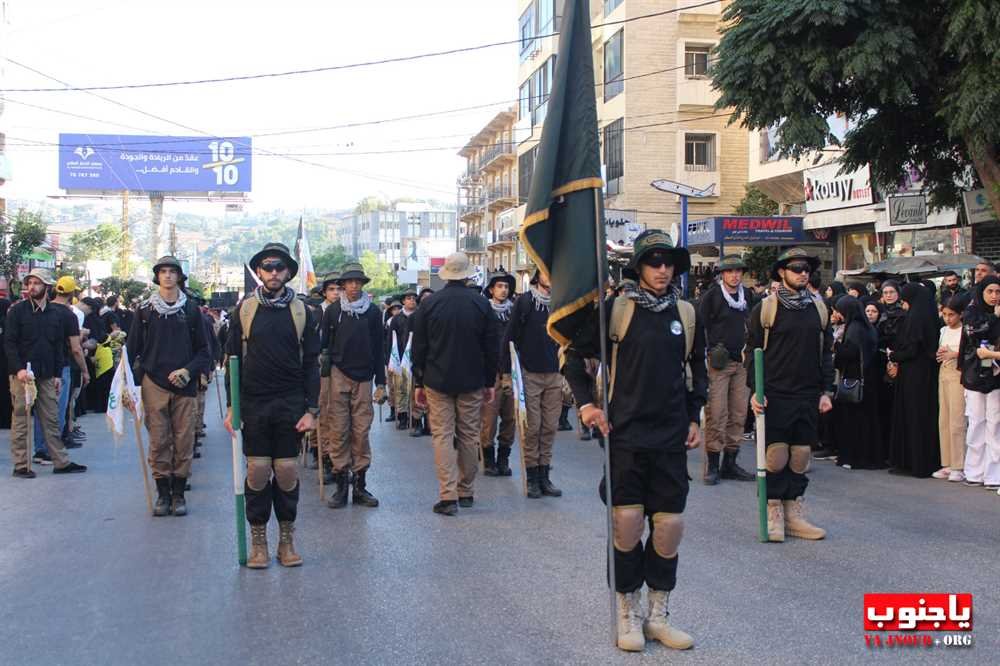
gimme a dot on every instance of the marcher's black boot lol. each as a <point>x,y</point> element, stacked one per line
<point>534,489</point>
<point>564,419</point>
<point>584,433</point>
<point>327,471</point>
<point>361,495</point>
<point>417,429</point>
<point>730,470</point>
<point>503,461</point>
<point>338,498</point>
<point>545,485</point>
<point>402,421</point>
<point>711,477</point>
<point>392,415</point>
<point>425,426</point>
<point>177,503</point>
<point>162,506</point>
<point>489,462</point>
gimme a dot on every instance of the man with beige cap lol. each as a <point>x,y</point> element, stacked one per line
<point>36,335</point>
<point>454,355</point>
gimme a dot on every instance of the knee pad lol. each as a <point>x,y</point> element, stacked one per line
<point>776,457</point>
<point>668,529</point>
<point>799,459</point>
<point>286,473</point>
<point>258,472</point>
<point>629,526</point>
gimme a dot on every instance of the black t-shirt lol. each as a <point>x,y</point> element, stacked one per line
<point>71,327</point>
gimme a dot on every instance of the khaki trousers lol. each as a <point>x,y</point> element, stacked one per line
<point>170,420</point>
<point>455,436</point>
<point>543,402</point>
<point>325,424</point>
<point>726,410</point>
<point>503,407</point>
<point>401,390</point>
<point>951,416</point>
<point>390,387</point>
<point>47,408</point>
<point>351,406</point>
<point>202,394</point>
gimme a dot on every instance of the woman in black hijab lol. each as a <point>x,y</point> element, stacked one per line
<point>856,425</point>
<point>981,327</point>
<point>888,326</point>
<point>913,446</point>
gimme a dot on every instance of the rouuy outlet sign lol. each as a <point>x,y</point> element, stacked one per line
<point>826,188</point>
<point>154,163</point>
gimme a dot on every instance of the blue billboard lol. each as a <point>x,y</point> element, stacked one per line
<point>154,163</point>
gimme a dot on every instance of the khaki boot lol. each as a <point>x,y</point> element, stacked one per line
<point>287,556</point>
<point>775,521</point>
<point>796,524</point>
<point>630,636</point>
<point>658,628</point>
<point>259,558</point>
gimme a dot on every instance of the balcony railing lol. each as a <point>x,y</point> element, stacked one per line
<point>504,191</point>
<point>471,243</point>
<point>495,150</point>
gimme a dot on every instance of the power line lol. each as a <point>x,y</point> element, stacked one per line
<point>332,68</point>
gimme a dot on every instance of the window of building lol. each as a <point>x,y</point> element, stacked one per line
<point>545,10</point>
<point>699,152</point>
<point>525,169</point>
<point>696,61</point>
<point>527,30</point>
<point>614,65</point>
<point>540,85</point>
<point>614,156</point>
<point>611,5</point>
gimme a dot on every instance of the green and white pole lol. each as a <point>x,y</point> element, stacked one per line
<point>758,368</point>
<point>241,510</point>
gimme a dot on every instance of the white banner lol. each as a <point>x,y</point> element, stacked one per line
<point>826,188</point>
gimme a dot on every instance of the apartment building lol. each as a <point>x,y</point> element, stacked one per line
<point>655,108</point>
<point>487,192</point>
<point>393,235</point>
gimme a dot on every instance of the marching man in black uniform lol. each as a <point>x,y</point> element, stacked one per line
<point>275,336</point>
<point>793,329</point>
<point>496,461</point>
<point>654,417</point>
<point>352,342</point>
<point>409,414</point>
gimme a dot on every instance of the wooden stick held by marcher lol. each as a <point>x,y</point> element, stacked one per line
<point>30,391</point>
<point>758,368</point>
<point>143,467</point>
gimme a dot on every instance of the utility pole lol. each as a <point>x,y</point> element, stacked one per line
<point>156,219</point>
<point>173,239</point>
<point>126,241</point>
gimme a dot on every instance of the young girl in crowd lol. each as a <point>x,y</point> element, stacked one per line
<point>951,395</point>
<point>977,356</point>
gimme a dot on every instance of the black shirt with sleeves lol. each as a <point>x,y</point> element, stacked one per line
<point>36,335</point>
<point>355,343</point>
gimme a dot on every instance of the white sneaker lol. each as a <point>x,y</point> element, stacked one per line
<point>630,636</point>
<point>942,473</point>
<point>846,466</point>
<point>658,628</point>
<point>956,475</point>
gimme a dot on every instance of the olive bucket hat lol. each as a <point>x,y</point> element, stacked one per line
<point>732,262</point>
<point>168,261</point>
<point>794,254</point>
<point>276,250</point>
<point>352,271</point>
<point>655,240</point>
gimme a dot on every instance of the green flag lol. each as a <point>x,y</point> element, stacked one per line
<point>560,230</point>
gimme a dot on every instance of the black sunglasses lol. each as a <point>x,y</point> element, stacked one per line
<point>657,261</point>
<point>799,268</point>
<point>273,267</point>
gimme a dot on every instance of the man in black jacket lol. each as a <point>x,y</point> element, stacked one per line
<point>352,341</point>
<point>454,368</point>
<point>539,357</point>
<point>37,333</point>
<point>169,350</point>
<point>276,339</point>
<point>653,420</point>
<point>793,329</point>
<point>496,461</point>
<point>724,310</point>
<point>409,415</point>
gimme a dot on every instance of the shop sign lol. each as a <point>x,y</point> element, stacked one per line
<point>907,209</point>
<point>977,207</point>
<point>827,189</point>
<point>621,227</point>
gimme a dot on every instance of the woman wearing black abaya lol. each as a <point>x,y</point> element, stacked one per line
<point>913,447</point>
<point>888,326</point>
<point>856,426</point>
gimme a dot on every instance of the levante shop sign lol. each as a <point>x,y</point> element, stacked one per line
<point>745,229</point>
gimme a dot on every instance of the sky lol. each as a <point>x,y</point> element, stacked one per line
<point>107,42</point>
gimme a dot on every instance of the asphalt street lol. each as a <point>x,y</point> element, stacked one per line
<point>87,577</point>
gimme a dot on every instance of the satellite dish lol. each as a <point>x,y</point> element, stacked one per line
<point>683,190</point>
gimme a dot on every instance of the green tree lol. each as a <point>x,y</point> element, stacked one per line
<point>101,242</point>
<point>331,260</point>
<point>383,279</point>
<point>755,202</point>
<point>369,204</point>
<point>21,235</point>
<point>127,290</point>
<point>917,79</point>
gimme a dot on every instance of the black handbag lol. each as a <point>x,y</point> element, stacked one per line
<point>851,391</point>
